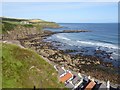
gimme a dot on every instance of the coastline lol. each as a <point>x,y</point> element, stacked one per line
<point>16,42</point>
<point>32,38</point>
<point>88,65</point>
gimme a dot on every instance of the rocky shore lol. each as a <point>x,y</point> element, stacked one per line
<point>85,64</point>
<point>89,65</point>
<point>72,31</point>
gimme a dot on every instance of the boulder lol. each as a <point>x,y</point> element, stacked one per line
<point>109,65</point>
<point>82,62</point>
<point>51,59</point>
<point>97,62</point>
<point>45,47</point>
<point>59,59</point>
<point>75,69</point>
<point>88,63</point>
<point>43,53</point>
<point>51,52</point>
<point>73,65</point>
<point>75,62</point>
<point>67,58</point>
<point>63,63</point>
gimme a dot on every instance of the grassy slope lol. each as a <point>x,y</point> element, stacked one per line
<point>16,63</point>
<point>0,66</point>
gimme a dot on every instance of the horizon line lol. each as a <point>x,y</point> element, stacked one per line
<point>53,21</point>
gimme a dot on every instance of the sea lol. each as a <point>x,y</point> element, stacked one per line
<point>103,37</point>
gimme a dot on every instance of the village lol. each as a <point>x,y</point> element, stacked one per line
<point>77,81</point>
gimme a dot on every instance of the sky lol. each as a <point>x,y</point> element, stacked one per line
<point>63,12</point>
<point>60,0</point>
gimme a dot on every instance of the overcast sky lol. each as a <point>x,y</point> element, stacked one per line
<point>77,12</point>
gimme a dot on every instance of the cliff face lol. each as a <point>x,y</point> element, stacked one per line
<point>21,32</point>
<point>23,28</point>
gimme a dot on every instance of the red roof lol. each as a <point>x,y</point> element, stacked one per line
<point>66,77</point>
<point>90,85</point>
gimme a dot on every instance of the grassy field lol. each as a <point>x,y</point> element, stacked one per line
<point>23,68</point>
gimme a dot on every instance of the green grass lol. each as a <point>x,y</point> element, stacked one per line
<point>12,19</point>
<point>28,25</point>
<point>0,28</point>
<point>16,64</point>
<point>7,26</point>
<point>0,66</point>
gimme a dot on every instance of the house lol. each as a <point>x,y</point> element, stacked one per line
<point>90,85</point>
<point>69,85</point>
<point>24,22</point>
<point>61,71</point>
<point>70,80</point>
<point>67,77</point>
<point>77,81</point>
<point>102,86</point>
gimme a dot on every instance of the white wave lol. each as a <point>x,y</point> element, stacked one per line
<point>85,43</point>
<point>116,54</point>
<point>62,37</point>
<point>98,44</point>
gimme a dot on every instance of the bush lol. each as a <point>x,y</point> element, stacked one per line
<point>7,26</point>
<point>28,25</point>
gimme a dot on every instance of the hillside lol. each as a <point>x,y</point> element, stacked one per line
<point>0,66</point>
<point>10,23</point>
<point>23,68</point>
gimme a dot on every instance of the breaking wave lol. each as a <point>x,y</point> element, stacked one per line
<point>61,37</point>
<point>64,39</point>
<point>111,46</point>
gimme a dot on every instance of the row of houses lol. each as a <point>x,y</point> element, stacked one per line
<point>78,82</point>
<point>32,21</point>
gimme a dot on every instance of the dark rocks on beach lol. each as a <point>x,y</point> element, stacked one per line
<point>98,51</point>
<point>75,31</point>
<point>107,64</point>
<point>67,31</point>
<point>70,51</point>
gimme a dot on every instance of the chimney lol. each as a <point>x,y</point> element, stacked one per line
<point>108,85</point>
<point>88,77</point>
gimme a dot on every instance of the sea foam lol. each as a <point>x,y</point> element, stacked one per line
<point>64,39</point>
<point>107,45</point>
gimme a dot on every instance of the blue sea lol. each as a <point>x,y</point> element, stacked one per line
<point>103,36</point>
